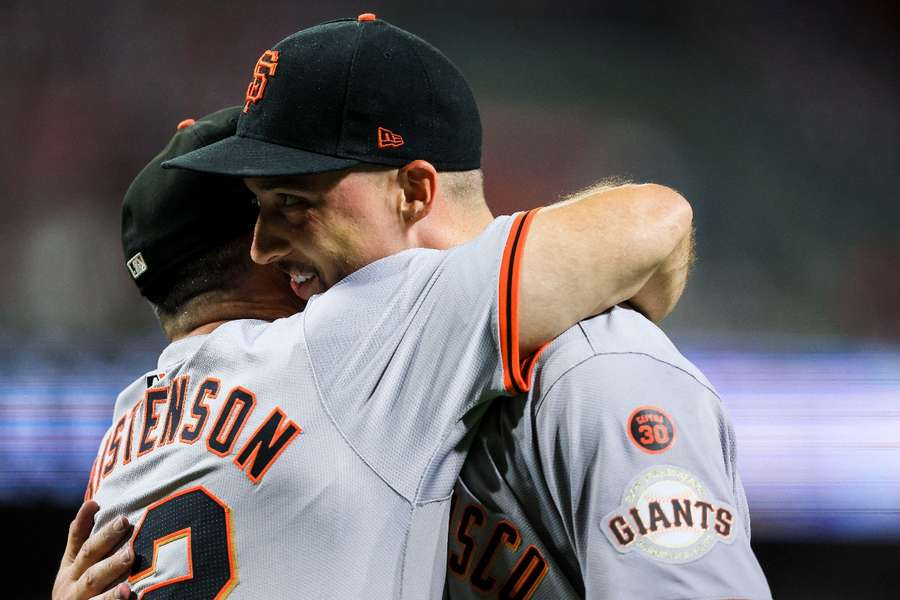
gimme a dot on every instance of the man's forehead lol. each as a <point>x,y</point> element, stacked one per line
<point>311,182</point>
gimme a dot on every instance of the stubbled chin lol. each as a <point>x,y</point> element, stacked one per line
<point>306,289</point>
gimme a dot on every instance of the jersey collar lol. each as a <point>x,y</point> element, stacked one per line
<point>180,350</point>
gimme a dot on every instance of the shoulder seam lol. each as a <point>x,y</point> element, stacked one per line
<point>343,434</point>
<point>545,394</point>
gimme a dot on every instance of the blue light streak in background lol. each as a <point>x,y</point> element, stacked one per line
<point>818,433</point>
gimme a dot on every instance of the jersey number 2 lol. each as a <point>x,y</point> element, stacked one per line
<point>204,521</point>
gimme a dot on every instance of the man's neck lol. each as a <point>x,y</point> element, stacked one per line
<point>452,227</point>
<point>201,330</point>
<point>206,318</point>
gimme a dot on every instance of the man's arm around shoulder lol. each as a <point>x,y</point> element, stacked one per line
<point>588,254</point>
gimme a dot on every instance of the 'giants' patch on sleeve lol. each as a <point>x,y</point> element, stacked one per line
<point>668,515</point>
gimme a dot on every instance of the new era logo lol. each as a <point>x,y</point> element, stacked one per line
<point>136,265</point>
<point>389,139</point>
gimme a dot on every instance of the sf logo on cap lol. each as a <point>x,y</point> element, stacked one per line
<point>265,68</point>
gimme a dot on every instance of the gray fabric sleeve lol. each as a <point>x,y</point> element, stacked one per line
<point>639,458</point>
<point>404,347</point>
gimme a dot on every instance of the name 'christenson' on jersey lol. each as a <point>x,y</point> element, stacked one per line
<point>163,418</point>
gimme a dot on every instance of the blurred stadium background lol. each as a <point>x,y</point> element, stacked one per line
<point>780,125</point>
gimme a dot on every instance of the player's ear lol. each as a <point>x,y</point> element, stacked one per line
<point>418,180</point>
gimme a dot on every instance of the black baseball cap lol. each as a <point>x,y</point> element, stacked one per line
<point>169,217</point>
<point>347,92</point>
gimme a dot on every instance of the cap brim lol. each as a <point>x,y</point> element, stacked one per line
<point>247,157</point>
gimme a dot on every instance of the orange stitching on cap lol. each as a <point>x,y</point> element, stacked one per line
<point>389,139</point>
<point>185,123</point>
<point>265,68</point>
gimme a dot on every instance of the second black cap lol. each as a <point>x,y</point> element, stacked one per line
<point>171,216</point>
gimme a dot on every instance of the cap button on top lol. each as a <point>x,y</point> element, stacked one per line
<point>185,123</point>
<point>366,17</point>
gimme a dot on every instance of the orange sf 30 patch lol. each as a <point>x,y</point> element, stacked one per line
<point>389,139</point>
<point>265,68</point>
<point>651,429</point>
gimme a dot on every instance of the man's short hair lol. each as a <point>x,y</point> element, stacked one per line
<point>464,187</point>
<point>201,279</point>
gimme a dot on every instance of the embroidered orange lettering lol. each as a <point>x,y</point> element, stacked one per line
<point>265,68</point>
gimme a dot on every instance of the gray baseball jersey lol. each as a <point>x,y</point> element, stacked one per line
<point>315,456</point>
<point>614,478</point>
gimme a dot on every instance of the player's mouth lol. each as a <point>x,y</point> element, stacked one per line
<point>305,279</point>
<point>305,283</point>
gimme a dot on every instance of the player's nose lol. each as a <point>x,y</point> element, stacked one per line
<point>268,246</point>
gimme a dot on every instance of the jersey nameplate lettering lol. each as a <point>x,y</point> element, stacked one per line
<point>491,556</point>
<point>171,413</point>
